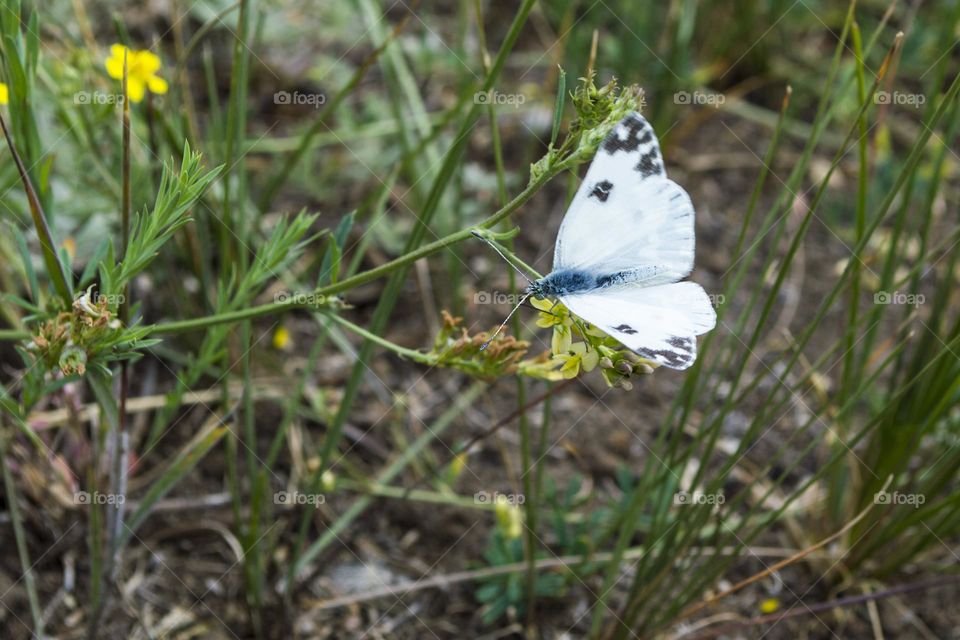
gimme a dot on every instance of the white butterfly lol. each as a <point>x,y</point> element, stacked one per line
<point>624,245</point>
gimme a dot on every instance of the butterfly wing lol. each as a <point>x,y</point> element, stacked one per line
<point>660,323</point>
<point>626,215</point>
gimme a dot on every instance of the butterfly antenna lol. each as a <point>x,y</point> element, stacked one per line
<point>497,249</point>
<point>504,323</point>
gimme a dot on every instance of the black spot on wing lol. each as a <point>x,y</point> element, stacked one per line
<point>601,190</point>
<point>628,135</point>
<point>625,328</point>
<point>650,164</point>
<point>680,357</point>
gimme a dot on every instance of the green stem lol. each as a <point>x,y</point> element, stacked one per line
<point>412,354</point>
<point>309,300</point>
<point>422,495</point>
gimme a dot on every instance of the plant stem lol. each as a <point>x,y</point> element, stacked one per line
<point>404,352</point>
<point>302,302</point>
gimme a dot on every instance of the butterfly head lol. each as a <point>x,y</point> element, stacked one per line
<point>536,288</point>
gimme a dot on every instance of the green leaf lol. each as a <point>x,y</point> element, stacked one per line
<point>558,106</point>
<point>330,266</point>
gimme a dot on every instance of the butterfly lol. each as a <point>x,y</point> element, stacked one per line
<point>624,246</point>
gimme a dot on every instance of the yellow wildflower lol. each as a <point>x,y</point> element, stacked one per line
<point>4,94</point>
<point>509,517</point>
<point>543,366</point>
<point>578,356</point>
<point>281,338</point>
<point>769,605</point>
<point>554,314</point>
<point>142,68</point>
<point>561,340</point>
<point>551,313</point>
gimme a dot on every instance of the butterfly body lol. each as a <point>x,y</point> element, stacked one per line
<point>624,245</point>
<point>564,282</point>
<point>570,281</point>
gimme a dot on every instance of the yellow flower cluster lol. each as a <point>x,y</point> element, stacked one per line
<point>573,356</point>
<point>597,349</point>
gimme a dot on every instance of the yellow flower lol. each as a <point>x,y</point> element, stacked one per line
<point>142,68</point>
<point>561,340</point>
<point>543,366</point>
<point>551,313</point>
<point>281,338</point>
<point>769,605</point>
<point>4,94</point>
<point>554,314</point>
<point>509,517</point>
<point>578,356</point>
